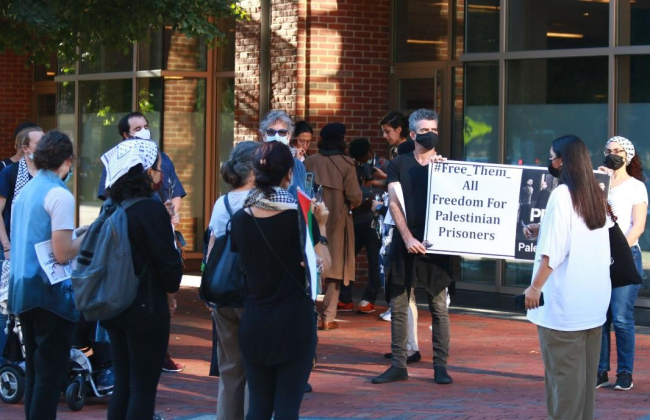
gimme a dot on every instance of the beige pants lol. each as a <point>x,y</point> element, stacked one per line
<point>571,367</point>
<point>331,299</point>
<point>232,400</point>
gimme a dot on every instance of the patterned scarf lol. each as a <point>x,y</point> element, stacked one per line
<point>625,144</point>
<point>22,179</point>
<point>280,200</point>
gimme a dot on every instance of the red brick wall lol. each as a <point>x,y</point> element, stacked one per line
<point>15,99</point>
<point>247,72</point>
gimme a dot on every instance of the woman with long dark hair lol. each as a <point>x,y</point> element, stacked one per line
<point>140,335</point>
<point>572,270</point>
<point>629,202</point>
<point>277,334</point>
<point>395,129</point>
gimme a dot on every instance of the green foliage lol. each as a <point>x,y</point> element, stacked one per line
<point>45,28</point>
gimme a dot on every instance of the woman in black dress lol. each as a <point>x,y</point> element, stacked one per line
<point>278,327</point>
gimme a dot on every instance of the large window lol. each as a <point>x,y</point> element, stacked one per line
<point>420,30</point>
<point>557,24</point>
<point>634,21</point>
<point>482,23</point>
<point>481,124</point>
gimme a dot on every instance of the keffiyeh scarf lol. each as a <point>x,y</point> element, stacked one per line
<point>129,153</point>
<point>22,179</point>
<point>280,200</point>
<point>625,144</point>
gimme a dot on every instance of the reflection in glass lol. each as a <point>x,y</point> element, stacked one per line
<point>633,109</point>
<point>150,103</point>
<point>102,105</point>
<point>557,24</point>
<point>518,273</point>
<point>415,94</point>
<point>65,118</point>
<point>44,72</point>
<point>548,98</point>
<point>108,60</point>
<point>226,51</point>
<point>225,124</point>
<point>478,270</point>
<point>46,111</point>
<point>634,21</point>
<point>183,139</point>
<point>420,30</point>
<point>169,50</point>
<point>481,122</point>
<point>457,147</point>
<point>482,20</point>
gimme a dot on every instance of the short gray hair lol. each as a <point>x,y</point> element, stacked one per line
<point>419,115</point>
<point>236,170</point>
<point>272,117</point>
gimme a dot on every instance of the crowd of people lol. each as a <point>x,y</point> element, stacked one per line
<point>266,331</point>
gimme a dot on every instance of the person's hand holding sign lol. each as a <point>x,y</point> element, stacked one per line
<point>531,230</point>
<point>414,246</point>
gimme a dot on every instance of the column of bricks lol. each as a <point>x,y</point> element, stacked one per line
<point>15,98</point>
<point>284,57</point>
<point>247,72</point>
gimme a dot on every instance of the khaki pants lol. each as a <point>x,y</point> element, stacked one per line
<point>232,400</point>
<point>331,300</point>
<point>571,367</point>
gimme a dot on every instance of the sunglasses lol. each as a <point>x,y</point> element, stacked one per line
<point>283,133</point>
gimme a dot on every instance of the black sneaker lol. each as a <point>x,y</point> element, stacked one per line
<point>392,374</point>
<point>623,382</point>
<point>441,376</point>
<point>602,380</point>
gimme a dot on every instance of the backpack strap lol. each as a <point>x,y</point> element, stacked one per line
<point>229,210</point>
<point>131,201</point>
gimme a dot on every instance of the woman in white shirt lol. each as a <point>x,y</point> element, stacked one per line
<point>572,270</point>
<point>629,200</point>
<point>237,171</point>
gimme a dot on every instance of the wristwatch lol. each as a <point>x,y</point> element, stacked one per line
<point>323,240</point>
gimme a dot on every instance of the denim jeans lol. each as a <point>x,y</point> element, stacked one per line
<point>621,315</point>
<point>399,304</point>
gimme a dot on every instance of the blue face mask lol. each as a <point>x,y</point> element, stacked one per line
<point>69,176</point>
<point>31,156</point>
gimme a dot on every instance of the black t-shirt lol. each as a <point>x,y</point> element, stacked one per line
<point>414,179</point>
<point>364,212</point>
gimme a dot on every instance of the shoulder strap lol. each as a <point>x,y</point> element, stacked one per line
<point>302,287</point>
<point>225,201</point>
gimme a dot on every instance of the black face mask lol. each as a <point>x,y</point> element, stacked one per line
<point>427,140</point>
<point>614,162</point>
<point>553,171</point>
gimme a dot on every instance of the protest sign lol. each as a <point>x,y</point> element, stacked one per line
<point>480,209</point>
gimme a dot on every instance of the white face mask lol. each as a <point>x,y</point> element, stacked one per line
<point>284,140</point>
<point>143,134</point>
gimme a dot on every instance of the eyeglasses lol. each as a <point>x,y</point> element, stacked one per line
<point>552,159</point>
<point>271,132</point>
<point>426,130</point>
<point>614,151</point>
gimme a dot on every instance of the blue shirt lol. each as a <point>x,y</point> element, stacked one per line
<point>299,178</point>
<point>168,174</point>
<point>29,287</point>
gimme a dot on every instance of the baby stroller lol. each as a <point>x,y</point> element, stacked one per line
<point>12,371</point>
<point>80,382</point>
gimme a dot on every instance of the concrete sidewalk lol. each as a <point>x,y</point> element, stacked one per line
<point>494,360</point>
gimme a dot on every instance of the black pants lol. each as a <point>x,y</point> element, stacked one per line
<point>139,342</point>
<point>366,235</point>
<point>278,388</point>
<point>48,339</point>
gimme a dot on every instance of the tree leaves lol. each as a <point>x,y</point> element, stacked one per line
<point>41,29</point>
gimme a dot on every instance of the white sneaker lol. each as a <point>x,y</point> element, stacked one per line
<point>385,316</point>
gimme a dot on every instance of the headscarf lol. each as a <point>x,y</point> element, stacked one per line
<point>626,144</point>
<point>129,153</point>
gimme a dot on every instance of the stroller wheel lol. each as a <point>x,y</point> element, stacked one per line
<point>75,395</point>
<point>12,384</point>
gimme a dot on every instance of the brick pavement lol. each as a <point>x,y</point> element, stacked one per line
<point>494,360</point>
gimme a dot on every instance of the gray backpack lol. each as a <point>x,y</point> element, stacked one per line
<point>104,282</point>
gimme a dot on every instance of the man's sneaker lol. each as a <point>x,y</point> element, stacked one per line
<point>393,374</point>
<point>441,376</point>
<point>366,307</point>
<point>105,379</point>
<point>602,380</point>
<point>385,316</point>
<point>345,307</point>
<point>170,366</point>
<point>623,382</point>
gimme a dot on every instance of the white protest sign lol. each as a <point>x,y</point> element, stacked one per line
<point>480,209</point>
<point>56,272</point>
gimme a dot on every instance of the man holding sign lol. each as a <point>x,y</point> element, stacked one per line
<point>409,173</point>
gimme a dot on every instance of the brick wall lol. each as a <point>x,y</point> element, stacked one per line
<point>15,99</point>
<point>247,72</point>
